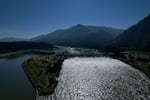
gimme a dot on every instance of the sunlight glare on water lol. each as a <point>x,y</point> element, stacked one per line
<point>100,78</point>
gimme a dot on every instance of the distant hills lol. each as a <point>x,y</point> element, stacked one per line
<point>11,39</point>
<point>81,36</point>
<point>6,47</point>
<point>136,37</point>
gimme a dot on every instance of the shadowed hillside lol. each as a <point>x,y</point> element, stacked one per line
<point>80,36</point>
<point>137,37</point>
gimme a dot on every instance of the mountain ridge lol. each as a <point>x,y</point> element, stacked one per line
<point>78,35</point>
<point>136,37</point>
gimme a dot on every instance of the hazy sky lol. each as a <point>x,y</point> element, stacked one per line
<point>28,18</point>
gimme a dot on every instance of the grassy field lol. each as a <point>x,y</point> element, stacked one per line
<point>43,71</point>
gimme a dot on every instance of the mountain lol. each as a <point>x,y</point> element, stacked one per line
<point>80,36</point>
<point>11,39</point>
<point>137,37</point>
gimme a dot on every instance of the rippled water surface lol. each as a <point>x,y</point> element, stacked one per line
<point>100,79</point>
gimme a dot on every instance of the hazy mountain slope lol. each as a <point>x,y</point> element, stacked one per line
<point>112,31</point>
<point>47,37</point>
<point>80,36</point>
<point>136,37</point>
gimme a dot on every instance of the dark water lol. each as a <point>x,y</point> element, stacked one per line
<point>14,84</point>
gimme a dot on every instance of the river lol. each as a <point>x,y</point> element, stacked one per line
<point>81,78</point>
<point>99,78</point>
<point>14,84</point>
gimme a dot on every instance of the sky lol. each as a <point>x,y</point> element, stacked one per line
<point>30,18</point>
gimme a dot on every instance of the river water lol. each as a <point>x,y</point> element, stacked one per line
<point>100,78</point>
<point>14,84</point>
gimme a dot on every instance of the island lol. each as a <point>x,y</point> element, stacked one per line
<point>43,72</point>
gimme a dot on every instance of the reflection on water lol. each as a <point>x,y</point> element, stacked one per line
<point>100,79</point>
<point>14,84</point>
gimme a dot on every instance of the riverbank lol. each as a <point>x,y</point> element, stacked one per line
<point>138,60</point>
<point>43,72</point>
<point>32,51</point>
<point>14,53</point>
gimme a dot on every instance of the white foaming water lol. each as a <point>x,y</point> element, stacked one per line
<point>100,79</point>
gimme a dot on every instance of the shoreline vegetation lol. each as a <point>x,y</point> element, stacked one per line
<point>14,53</point>
<point>43,72</point>
<point>15,48</point>
<point>32,51</point>
<point>138,60</point>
